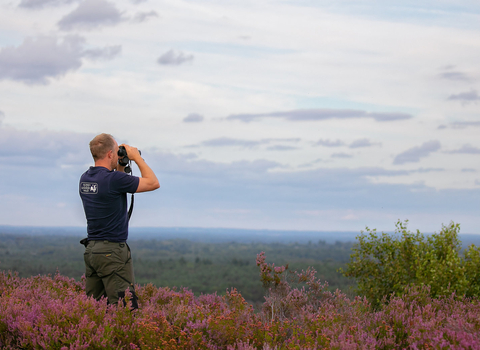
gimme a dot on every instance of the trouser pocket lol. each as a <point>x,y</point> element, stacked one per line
<point>106,258</point>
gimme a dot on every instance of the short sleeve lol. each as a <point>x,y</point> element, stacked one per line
<point>124,183</point>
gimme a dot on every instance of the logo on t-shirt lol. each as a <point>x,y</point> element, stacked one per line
<point>89,187</point>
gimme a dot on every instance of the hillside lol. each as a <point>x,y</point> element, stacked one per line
<point>53,312</point>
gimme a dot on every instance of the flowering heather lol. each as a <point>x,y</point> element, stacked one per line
<point>47,312</point>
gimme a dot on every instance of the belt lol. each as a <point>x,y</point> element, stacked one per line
<point>105,242</point>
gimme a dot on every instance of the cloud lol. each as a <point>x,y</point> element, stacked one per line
<point>465,149</point>
<point>230,142</point>
<point>414,154</point>
<point>315,162</point>
<point>42,148</point>
<point>427,170</point>
<point>355,144</point>
<point>193,118</point>
<point>449,73</point>
<point>2,117</point>
<point>321,114</point>
<point>37,60</point>
<point>329,143</point>
<point>462,125</point>
<point>143,16</point>
<point>175,58</point>
<point>44,167</point>
<point>257,173</point>
<point>469,170</point>
<point>362,143</point>
<point>454,76</point>
<point>341,155</point>
<point>91,14</point>
<point>37,4</point>
<point>106,53</point>
<point>465,97</point>
<point>187,165</point>
<point>284,139</point>
<point>281,148</point>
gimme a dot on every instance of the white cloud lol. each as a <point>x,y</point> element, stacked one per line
<point>91,14</point>
<point>193,118</point>
<point>42,148</point>
<point>413,155</point>
<point>37,60</point>
<point>140,17</point>
<point>461,125</point>
<point>36,4</point>
<point>341,155</point>
<point>320,114</point>
<point>175,58</point>
<point>466,97</point>
<point>362,143</point>
<point>329,143</point>
<point>105,53</point>
<point>230,142</point>
<point>449,73</point>
<point>281,148</point>
<point>466,149</point>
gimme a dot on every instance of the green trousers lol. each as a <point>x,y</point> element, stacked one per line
<point>109,271</point>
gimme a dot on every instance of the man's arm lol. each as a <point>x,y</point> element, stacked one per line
<point>148,180</point>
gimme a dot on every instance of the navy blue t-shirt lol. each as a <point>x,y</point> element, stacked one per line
<point>104,197</point>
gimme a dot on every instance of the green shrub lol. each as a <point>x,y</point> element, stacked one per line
<point>383,264</point>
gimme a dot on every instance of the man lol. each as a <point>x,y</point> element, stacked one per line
<point>103,190</point>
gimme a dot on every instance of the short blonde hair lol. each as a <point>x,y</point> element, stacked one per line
<point>100,145</point>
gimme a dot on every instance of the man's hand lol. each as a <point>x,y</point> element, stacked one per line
<point>132,152</point>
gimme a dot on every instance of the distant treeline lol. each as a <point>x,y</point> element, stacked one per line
<point>201,267</point>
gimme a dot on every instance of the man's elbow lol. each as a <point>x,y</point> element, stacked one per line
<point>147,185</point>
<point>152,186</point>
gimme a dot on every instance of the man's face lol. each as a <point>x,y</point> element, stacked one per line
<point>114,163</point>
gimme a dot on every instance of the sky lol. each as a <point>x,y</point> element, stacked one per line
<point>275,114</point>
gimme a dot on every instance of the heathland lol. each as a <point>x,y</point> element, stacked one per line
<point>413,291</point>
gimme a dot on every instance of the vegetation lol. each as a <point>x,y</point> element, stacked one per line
<point>201,267</point>
<point>418,292</point>
<point>385,264</point>
<point>47,312</point>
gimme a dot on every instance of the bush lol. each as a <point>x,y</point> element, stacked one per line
<point>385,264</point>
<point>45,312</point>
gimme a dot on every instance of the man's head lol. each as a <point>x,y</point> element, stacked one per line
<point>104,150</point>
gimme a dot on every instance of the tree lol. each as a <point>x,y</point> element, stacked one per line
<point>384,264</point>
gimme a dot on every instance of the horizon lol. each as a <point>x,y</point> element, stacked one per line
<point>218,235</point>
